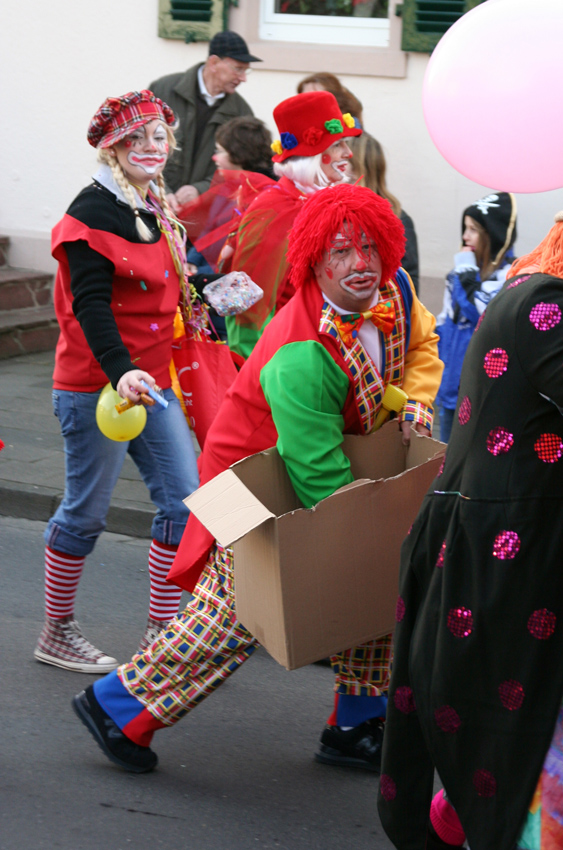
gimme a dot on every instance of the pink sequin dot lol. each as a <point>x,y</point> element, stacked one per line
<point>544,317</point>
<point>549,448</point>
<point>499,441</point>
<point>506,545</point>
<point>464,414</point>
<point>387,787</point>
<point>485,783</point>
<point>496,362</point>
<point>518,281</point>
<point>447,718</point>
<point>511,694</point>
<point>441,466</point>
<point>460,622</point>
<point>400,609</point>
<point>541,624</point>
<point>442,552</point>
<point>404,700</point>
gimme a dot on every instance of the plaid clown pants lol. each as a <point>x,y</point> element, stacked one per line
<point>201,648</point>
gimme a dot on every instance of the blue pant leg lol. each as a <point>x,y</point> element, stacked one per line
<point>93,463</point>
<point>165,456</point>
<point>446,423</point>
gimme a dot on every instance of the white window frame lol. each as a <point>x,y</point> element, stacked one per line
<point>307,57</point>
<point>322,29</point>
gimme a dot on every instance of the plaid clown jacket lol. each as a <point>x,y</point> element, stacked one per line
<point>302,389</point>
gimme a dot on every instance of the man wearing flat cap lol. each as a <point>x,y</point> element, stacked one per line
<point>203,98</point>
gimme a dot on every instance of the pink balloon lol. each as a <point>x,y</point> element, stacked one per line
<point>492,95</point>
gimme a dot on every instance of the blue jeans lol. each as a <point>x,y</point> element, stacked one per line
<point>163,453</point>
<point>446,423</point>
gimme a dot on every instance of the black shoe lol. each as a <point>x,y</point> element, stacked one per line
<point>117,747</point>
<point>357,747</point>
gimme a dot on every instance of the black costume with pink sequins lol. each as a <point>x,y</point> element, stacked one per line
<point>478,673</point>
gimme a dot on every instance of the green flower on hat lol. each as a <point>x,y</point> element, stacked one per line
<point>334,126</point>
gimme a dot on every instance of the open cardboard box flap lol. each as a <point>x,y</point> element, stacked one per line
<point>227,508</point>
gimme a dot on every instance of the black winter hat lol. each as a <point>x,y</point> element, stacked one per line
<point>497,214</point>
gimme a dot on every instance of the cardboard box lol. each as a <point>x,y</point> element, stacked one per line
<point>309,583</point>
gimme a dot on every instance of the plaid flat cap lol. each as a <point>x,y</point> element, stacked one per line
<point>117,117</point>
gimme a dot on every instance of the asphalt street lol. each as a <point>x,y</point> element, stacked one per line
<point>236,774</point>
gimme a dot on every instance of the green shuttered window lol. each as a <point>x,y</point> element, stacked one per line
<point>191,10</point>
<point>193,20</point>
<point>426,21</point>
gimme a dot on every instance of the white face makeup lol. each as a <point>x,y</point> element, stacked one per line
<point>334,161</point>
<point>143,154</point>
<point>348,276</point>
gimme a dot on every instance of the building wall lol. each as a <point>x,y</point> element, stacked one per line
<point>59,60</point>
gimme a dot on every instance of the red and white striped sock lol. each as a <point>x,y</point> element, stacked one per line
<point>62,574</point>
<point>165,597</point>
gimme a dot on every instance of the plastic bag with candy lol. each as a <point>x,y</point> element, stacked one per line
<point>233,293</point>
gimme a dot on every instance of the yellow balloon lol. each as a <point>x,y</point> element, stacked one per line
<point>118,426</point>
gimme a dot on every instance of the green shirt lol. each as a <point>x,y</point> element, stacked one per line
<point>306,392</point>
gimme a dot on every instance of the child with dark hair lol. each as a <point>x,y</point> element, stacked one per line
<point>241,145</point>
<point>246,143</point>
<point>488,230</point>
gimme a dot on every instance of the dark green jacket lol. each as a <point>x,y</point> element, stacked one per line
<point>191,165</point>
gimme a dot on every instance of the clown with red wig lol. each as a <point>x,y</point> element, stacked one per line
<point>319,371</point>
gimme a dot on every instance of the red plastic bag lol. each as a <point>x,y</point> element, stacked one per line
<point>205,371</point>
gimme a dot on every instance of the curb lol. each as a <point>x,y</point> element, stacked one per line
<point>40,503</point>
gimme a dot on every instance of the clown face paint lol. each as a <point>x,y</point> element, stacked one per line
<point>143,154</point>
<point>334,161</point>
<point>348,276</point>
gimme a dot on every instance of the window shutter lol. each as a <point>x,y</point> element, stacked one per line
<point>193,20</point>
<point>426,21</point>
<point>191,10</point>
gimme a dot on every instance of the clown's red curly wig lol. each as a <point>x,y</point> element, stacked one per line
<point>344,208</point>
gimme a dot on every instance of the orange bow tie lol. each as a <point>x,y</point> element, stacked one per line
<point>382,316</point>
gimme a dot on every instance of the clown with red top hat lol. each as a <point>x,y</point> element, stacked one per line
<point>310,155</point>
<point>309,124</point>
<point>320,370</point>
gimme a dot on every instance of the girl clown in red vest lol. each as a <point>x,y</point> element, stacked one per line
<point>121,258</point>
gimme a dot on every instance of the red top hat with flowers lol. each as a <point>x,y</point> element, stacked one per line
<point>309,123</point>
<point>118,117</point>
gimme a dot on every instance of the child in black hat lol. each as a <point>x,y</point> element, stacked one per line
<point>488,229</point>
